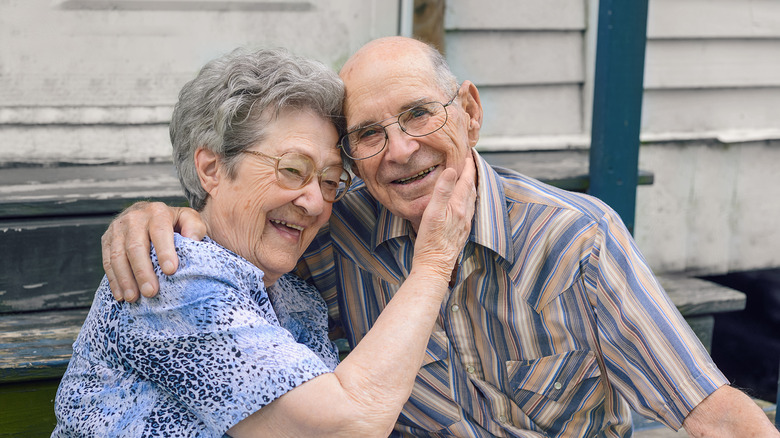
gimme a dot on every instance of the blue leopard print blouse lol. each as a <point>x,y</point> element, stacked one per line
<point>213,347</point>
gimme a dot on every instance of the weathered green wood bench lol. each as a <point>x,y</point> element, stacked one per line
<point>51,220</point>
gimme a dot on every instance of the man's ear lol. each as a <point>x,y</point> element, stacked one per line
<point>207,166</point>
<point>469,96</point>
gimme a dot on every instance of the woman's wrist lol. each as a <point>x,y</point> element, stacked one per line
<point>435,279</point>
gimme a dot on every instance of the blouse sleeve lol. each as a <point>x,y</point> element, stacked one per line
<point>212,344</point>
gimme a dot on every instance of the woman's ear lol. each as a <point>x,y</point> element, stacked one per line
<point>469,96</point>
<point>207,166</point>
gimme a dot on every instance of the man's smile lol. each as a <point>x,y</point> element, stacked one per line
<point>415,177</point>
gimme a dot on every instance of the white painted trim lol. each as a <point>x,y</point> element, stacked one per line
<point>406,19</point>
<point>558,142</point>
<point>591,36</point>
<point>725,136</point>
<point>533,143</point>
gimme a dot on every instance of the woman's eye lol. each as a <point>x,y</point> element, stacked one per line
<point>292,171</point>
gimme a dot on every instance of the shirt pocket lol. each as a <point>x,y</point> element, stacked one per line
<point>430,406</point>
<point>556,378</point>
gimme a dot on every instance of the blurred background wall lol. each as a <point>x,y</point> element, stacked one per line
<point>94,81</point>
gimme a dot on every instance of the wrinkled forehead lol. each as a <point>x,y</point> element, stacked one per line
<point>383,89</point>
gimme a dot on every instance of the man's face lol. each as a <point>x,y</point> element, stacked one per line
<point>403,175</point>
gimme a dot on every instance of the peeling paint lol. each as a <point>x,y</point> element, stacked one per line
<point>34,286</point>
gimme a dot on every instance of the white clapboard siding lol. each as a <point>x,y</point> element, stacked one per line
<point>84,144</point>
<point>514,14</point>
<point>59,53</point>
<point>528,60</point>
<point>707,110</point>
<point>711,63</point>
<point>516,58</point>
<point>713,19</point>
<point>537,110</point>
<point>87,115</point>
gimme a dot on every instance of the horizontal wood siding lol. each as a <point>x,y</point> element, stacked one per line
<point>87,81</point>
<point>514,14</point>
<point>531,110</point>
<point>710,109</point>
<point>527,59</point>
<point>712,66</point>
<point>87,56</point>
<point>713,63</point>
<point>516,57</point>
<point>84,144</point>
<point>682,19</point>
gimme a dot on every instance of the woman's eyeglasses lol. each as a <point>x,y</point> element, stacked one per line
<point>294,170</point>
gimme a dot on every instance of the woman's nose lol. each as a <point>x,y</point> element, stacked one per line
<point>310,198</point>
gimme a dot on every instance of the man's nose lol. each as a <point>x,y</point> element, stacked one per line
<point>400,146</point>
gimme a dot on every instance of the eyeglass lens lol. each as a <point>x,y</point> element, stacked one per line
<point>416,122</point>
<point>295,170</point>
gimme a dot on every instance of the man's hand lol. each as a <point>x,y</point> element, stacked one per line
<point>126,246</point>
<point>728,412</point>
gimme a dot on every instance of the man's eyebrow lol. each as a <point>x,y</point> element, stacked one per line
<point>404,107</point>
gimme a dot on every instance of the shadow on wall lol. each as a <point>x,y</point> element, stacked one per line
<point>746,344</point>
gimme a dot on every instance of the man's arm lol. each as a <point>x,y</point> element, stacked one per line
<point>126,246</point>
<point>728,412</point>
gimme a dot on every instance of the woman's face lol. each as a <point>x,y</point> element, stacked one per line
<point>255,217</point>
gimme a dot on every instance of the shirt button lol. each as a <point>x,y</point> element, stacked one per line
<point>502,418</point>
<point>455,307</point>
<point>470,369</point>
<point>557,385</point>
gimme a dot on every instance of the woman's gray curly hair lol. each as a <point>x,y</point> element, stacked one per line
<point>228,105</point>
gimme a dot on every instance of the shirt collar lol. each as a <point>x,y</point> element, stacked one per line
<point>490,228</point>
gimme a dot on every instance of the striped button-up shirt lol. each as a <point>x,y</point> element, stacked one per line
<point>554,325</point>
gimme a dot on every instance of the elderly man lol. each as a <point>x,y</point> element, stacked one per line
<point>554,324</point>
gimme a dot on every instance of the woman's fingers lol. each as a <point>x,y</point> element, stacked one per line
<point>446,222</point>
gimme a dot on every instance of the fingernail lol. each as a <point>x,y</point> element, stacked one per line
<point>147,289</point>
<point>168,266</point>
<point>129,295</point>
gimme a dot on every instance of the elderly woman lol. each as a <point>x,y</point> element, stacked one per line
<point>233,344</point>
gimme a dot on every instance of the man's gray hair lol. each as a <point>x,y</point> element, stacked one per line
<point>443,76</point>
<point>227,107</point>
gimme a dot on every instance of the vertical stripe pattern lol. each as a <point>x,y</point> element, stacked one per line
<point>515,353</point>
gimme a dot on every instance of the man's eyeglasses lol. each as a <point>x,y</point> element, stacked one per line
<point>422,120</point>
<point>294,170</point>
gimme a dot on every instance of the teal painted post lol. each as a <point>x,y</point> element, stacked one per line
<point>617,104</point>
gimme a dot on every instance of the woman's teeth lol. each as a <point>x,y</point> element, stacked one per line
<point>416,177</point>
<point>293,226</point>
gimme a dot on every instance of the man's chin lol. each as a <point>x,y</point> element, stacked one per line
<point>411,210</point>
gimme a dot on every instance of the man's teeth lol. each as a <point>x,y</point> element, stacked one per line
<point>293,226</point>
<point>424,172</point>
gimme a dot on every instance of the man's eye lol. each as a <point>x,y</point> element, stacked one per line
<point>369,132</point>
<point>420,111</point>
